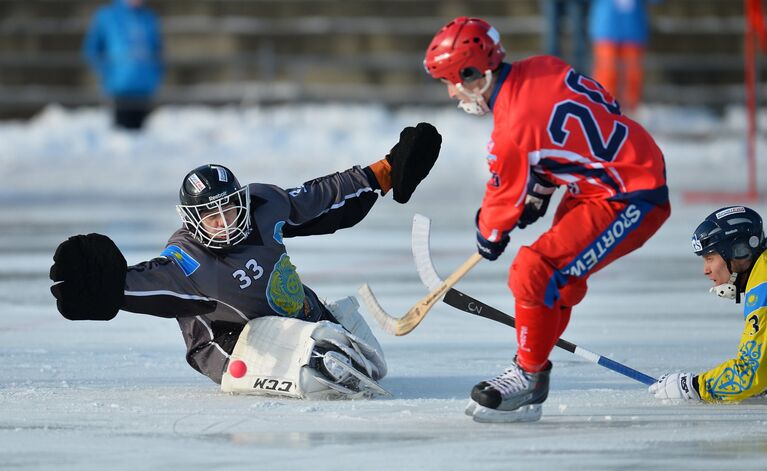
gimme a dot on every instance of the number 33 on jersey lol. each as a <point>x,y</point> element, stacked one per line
<point>254,272</point>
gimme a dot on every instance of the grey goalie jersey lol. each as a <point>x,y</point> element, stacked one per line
<point>214,293</point>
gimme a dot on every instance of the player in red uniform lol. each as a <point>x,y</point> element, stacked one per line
<point>552,127</point>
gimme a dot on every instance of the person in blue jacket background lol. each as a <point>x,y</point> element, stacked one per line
<point>123,46</point>
<point>619,33</point>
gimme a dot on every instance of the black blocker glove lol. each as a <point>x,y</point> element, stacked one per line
<point>412,158</point>
<point>89,278</point>
<point>539,191</point>
<point>490,250</point>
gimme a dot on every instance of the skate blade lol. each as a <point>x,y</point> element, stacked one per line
<point>365,383</point>
<point>528,413</point>
<point>471,407</point>
<point>342,391</point>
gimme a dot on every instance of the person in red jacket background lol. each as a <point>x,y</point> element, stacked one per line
<point>552,127</point>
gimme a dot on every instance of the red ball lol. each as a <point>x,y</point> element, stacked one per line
<point>237,369</point>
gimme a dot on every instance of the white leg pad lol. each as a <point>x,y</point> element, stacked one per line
<point>346,311</point>
<point>272,358</point>
<point>275,352</point>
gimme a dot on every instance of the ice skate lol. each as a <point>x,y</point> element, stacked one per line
<point>341,374</point>
<point>513,396</point>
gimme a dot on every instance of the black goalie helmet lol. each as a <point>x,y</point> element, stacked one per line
<point>214,207</point>
<point>734,232</point>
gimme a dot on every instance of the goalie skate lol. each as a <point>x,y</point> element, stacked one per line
<point>342,376</point>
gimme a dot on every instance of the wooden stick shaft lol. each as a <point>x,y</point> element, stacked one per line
<point>415,315</point>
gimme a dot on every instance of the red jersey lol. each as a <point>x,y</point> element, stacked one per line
<point>552,120</point>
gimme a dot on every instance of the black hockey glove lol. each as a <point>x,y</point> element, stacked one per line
<point>539,192</point>
<point>89,278</point>
<point>490,250</point>
<point>412,158</point>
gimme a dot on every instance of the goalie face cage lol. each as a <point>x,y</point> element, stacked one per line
<point>219,224</point>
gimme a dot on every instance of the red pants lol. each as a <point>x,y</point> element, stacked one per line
<point>610,59</point>
<point>549,277</point>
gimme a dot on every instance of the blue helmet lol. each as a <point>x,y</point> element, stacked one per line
<point>734,232</point>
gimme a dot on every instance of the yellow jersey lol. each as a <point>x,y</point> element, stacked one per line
<point>745,375</point>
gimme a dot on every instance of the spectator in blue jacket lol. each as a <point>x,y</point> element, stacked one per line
<point>123,46</point>
<point>619,31</point>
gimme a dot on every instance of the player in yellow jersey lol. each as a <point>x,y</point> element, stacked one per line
<point>732,244</point>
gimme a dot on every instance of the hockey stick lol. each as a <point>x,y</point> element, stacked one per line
<point>413,317</point>
<point>463,302</point>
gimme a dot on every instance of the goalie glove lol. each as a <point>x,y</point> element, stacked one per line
<point>412,158</point>
<point>675,386</point>
<point>539,192</point>
<point>89,278</point>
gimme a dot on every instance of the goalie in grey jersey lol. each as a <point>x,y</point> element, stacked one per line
<point>248,321</point>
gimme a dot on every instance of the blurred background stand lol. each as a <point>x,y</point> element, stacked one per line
<point>265,52</point>
<point>755,32</point>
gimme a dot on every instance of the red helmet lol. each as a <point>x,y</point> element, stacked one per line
<point>462,48</point>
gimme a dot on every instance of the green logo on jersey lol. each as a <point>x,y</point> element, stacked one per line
<point>285,292</point>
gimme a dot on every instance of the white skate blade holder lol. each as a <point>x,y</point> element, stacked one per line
<point>369,387</point>
<point>485,415</point>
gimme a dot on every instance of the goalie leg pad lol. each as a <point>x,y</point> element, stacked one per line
<point>278,356</point>
<point>268,357</point>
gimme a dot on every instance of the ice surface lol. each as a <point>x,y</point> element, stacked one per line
<point>119,395</point>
